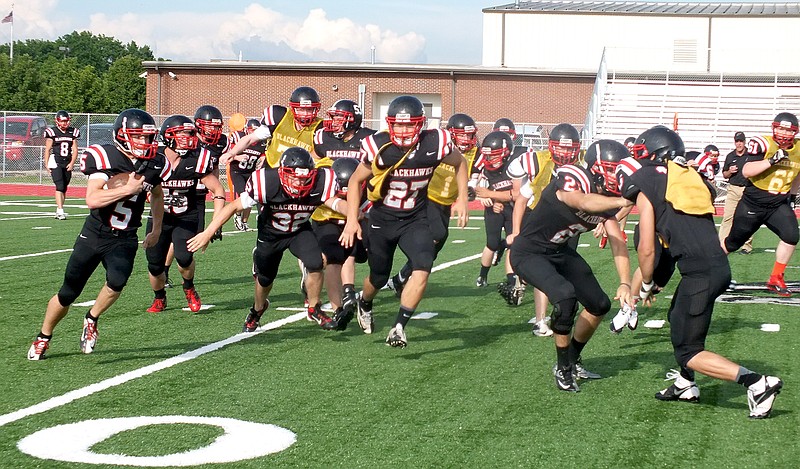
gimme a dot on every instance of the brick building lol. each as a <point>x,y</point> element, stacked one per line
<point>485,93</point>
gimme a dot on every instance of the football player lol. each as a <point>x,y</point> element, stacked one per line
<point>575,201</point>
<point>676,202</point>
<point>442,190</point>
<point>288,195</point>
<point>190,167</point>
<point>399,164</point>
<point>496,150</point>
<point>61,151</point>
<point>284,127</point>
<point>239,171</point>
<point>772,168</point>
<point>531,172</point>
<point>108,236</point>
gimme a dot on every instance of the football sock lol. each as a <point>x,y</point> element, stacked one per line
<point>778,269</point>
<point>575,349</point>
<point>188,283</point>
<point>746,377</point>
<point>404,315</point>
<point>44,336</point>
<point>511,279</point>
<point>562,355</point>
<point>348,287</point>
<point>484,271</point>
<point>89,316</point>
<point>162,294</point>
<point>166,271</point>
<point>687,373</point>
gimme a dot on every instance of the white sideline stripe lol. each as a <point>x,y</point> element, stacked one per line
<point>36,254</point>
<point>64,399</point>
<point>85,391</point>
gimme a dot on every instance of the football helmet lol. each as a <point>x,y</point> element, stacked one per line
<point>129,126</point>
<point>785,121</point>
<point>208,121</point>
<point>495,149</point>
<point>173,134</point>
<point>629,143</point>
<point>343,168</point>
<point>252,124</point>
<point>463,130</point>
<point>408,113</point>
<point>297,172</point>
<point>602,158</point>
<point>712,151</point>
<point>62,120</point>
<point>305,104</point>
<point>345,115</point>
<point>506,125</point>
<point>659,143</point>
<point>564,144</point>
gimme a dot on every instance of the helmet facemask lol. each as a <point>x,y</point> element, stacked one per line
<point>564,151</point>
<point>181,138</point>
<point>297,181</point>
<point>339,122</point>
<point>404,129</point>
<point>209,131</point>
<point>128,141</point>
<point>304,112</point>
<point>466,138</point>
<point>784,132</point>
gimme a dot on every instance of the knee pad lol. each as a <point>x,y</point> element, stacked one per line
<point>792,239</point>
<point>314,266</point>
<point>423,261</point>
<point>67,295</point>
<point>263,280</point>
<point>184,259</point>
<point>155,269</point>
<point>378,280</point>
<point>61,186</point>
<point>563,315</point>
<point>685,353</point>
<point>494,244</point>
<point>602,308</point>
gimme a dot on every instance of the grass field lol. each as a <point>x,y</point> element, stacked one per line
<point>474,388</point>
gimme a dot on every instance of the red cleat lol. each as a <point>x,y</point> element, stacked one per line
<point>603,242</point>
<point>777,285</point>
<point>193,299</point>
<point>159,305</point>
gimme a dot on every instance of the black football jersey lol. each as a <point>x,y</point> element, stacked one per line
<point>685,235</point>
<point>328,146</point>
<point>282,214</point>
<point>405,190</point>
<point>106,161</point>
<point>253,153</point>
<point>62,143</point>
<point>552,222</point>
<point>180,188</point>
<point>213,152</point>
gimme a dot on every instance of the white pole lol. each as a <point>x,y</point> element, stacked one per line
<point>11,49</point>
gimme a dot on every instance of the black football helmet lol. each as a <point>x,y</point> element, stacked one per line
<point>252,124</point>
<point>297,172</point>
<point>602,158</point>
<point>62,120</point>
<point>785,121</point>
<point>208,121</point>
<point>405,110</point>
<point>659,143</point>
<point>629,143</point>
<point>343,168</point>
<point>497,146</point>
<point>463,130</point>
<point>178,133</point>
<point>345,115</point>
<point>564,144</point>
<point>506,125</point>
<point>129,128</point>
<point>305,104</point>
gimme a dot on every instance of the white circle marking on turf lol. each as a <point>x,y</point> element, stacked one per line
<point>72,442</point>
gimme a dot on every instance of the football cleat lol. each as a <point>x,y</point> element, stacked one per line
<point>397,337</point>
<point>159,305</point>
<point>193,299</point>
<point>542,328</point>
<point>88,336</point>
<point>217,236</point>
<point>315,314</point>
<point>38,348</point>
<point>364,315</point>
<point>245,226</point>
<point>633,320</point>
<point>61,216</point>
<point>237,222</point>
<point>168,283</point>
<point>253,319</point>
<point>603,242</point>
<point>761,395</point>
<point>681,390</point>
<point>778,285</point>
<point>621,319</point>
<point>481,282</point>
<point>396,286</point>
<point>583,373</point>
<point>565,379</point>
<point>516,293</point>
<point>343,317</point>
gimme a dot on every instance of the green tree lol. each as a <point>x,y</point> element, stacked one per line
<point>122,88</point>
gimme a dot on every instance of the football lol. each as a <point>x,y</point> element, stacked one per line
<point>117,180</point>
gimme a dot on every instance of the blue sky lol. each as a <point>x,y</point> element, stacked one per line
<point>402,31</point>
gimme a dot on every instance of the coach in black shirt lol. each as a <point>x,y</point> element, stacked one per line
<point>736,182</point>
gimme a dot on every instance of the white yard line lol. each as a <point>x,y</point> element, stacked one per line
<point>85,391</point>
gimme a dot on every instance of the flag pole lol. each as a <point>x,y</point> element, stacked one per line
<point>11,49</point>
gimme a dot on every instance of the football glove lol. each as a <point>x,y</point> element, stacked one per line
<point>777,157</point>
<point>217,235</point>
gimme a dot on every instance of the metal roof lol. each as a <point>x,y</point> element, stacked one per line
<point>653,8</point>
